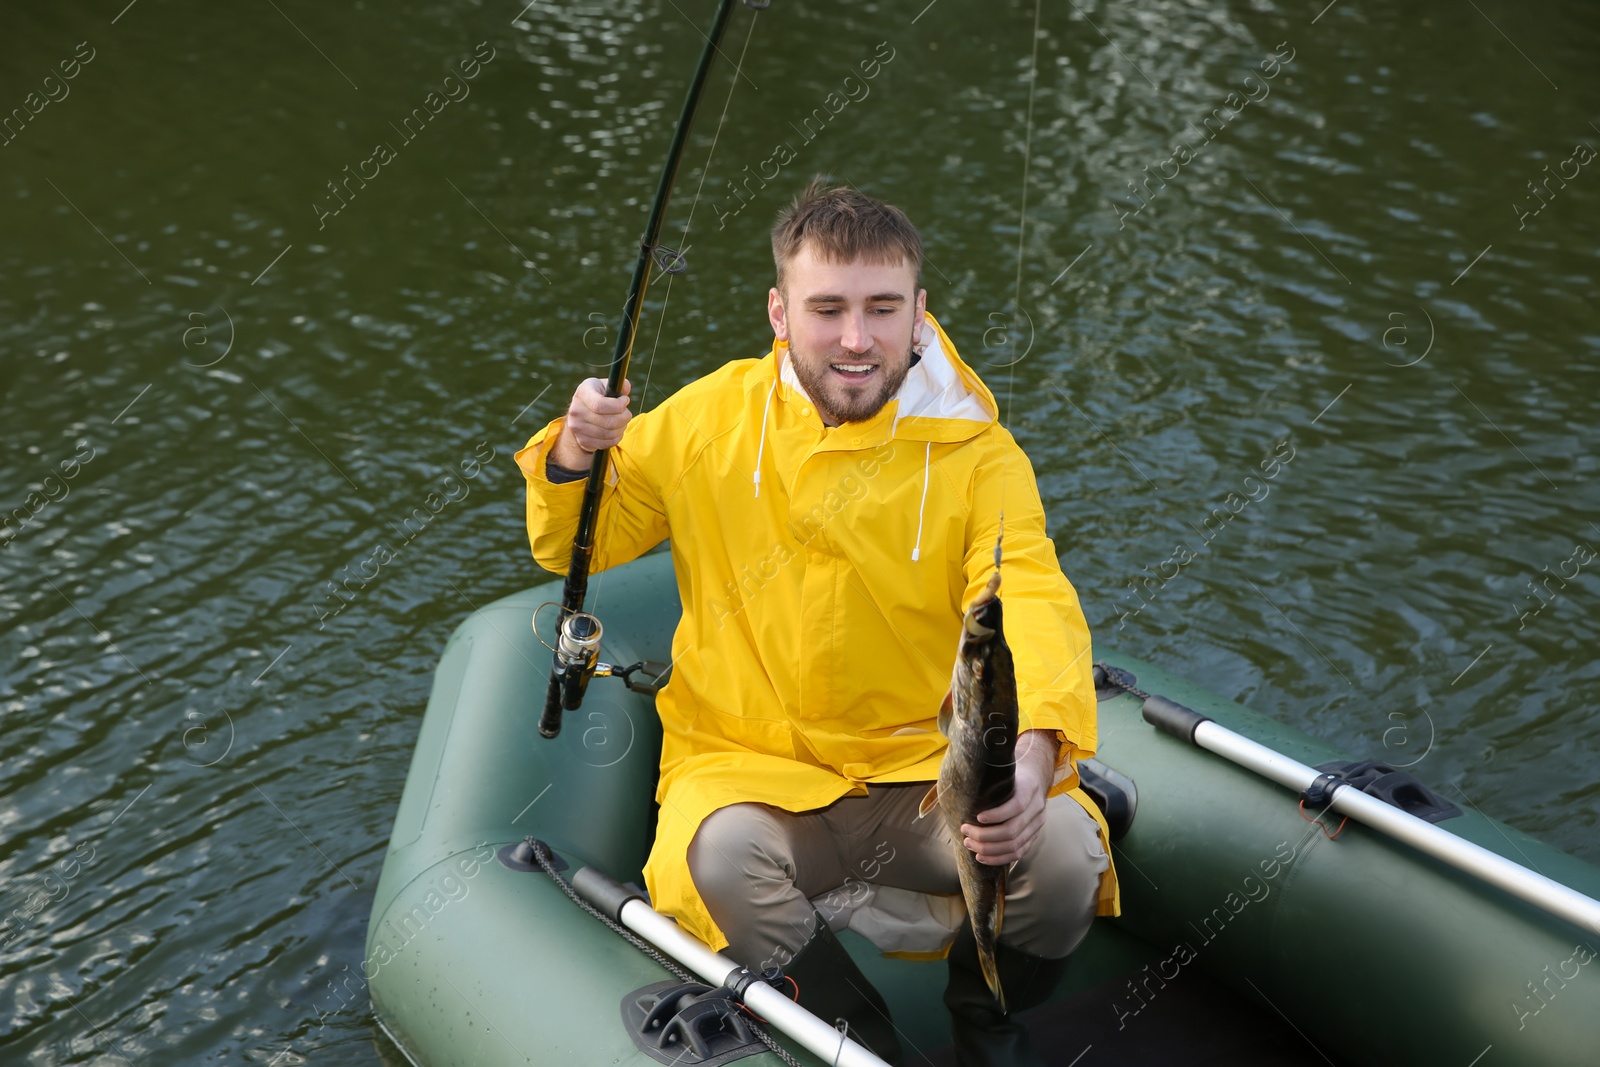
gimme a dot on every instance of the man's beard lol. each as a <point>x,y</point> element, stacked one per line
<point>847,405</point>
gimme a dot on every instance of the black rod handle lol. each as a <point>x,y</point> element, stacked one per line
<point>550,718</point>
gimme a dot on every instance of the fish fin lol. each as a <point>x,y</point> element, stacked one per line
<point>946,711</point>
<point>930,801</point>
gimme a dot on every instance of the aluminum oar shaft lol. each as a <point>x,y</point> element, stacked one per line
<point>1512,877</point>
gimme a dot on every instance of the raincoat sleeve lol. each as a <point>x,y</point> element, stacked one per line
<point>632,518</point>
<point>1044,623</point>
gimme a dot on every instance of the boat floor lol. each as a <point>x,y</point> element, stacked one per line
<point>1192,1022</point>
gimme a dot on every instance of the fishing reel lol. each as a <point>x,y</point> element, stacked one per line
<point>577,660</point>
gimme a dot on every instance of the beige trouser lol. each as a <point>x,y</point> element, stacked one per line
<point>757,868</point>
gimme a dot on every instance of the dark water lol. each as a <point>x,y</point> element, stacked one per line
<point>239,395</point>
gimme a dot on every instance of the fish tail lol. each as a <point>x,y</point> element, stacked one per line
<point>992,976</point>
<point>986,942</point>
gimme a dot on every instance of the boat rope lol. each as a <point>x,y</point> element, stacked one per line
<point>541,855</point>
<point>1317,822</point>
<point>1120,678</point>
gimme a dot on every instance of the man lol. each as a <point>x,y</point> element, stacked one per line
<point>832,508</point>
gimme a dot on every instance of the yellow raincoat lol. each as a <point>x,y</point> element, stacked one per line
<point>823,572</point>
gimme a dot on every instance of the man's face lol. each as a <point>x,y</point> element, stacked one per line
<point>849,328</point>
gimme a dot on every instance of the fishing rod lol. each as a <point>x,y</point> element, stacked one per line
<point>577,648</point>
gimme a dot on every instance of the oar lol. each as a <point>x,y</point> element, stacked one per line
<point>1559,900</point>
<point>621,904</point>
<point>571,672</point>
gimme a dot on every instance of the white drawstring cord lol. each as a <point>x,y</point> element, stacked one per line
<point>760,448</point>
<point>927,456</point>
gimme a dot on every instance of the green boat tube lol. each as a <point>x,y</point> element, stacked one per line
<point>1374,951</point>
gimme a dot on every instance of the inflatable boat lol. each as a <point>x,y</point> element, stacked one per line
<point>1444,938</point>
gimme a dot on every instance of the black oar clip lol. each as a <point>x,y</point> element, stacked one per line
<point>1319,794</point>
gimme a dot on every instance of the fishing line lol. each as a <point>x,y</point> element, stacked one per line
<point>1022,221</point>
<point>683,238</point>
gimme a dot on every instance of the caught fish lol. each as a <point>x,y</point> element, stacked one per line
<point>979,717</point>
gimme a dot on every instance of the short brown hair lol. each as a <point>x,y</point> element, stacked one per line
<point>845,225</point>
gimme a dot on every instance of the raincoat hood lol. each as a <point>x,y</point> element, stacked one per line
<point>940,400</point>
